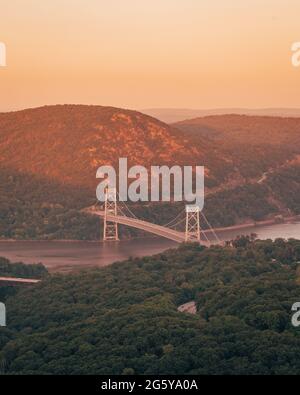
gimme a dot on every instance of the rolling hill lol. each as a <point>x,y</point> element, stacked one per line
<point>68,143</point>
<point>253,144</point>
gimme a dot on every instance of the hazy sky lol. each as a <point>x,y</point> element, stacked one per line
<point>150,53</point>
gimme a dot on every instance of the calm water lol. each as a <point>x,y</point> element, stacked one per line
<point>66,256</point>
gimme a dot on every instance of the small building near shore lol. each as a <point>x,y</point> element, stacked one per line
<point>189,307</point>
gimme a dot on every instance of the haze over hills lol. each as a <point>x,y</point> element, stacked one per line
<point>171,115</point>
<point>244,129</point>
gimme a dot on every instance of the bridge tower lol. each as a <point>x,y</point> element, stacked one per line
<point>192,224</point>
<point>110,231</point>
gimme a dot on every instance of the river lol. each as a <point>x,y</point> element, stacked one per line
<point>65,256</point>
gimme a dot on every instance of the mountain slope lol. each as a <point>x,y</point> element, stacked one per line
<point>124,318</point>
<point>68,143</point>
<point>254,145</point>
<point>49,157</point>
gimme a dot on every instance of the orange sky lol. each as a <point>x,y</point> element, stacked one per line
<point>150,53</point>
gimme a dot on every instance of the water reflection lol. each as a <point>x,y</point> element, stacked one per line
<point>66,256</point>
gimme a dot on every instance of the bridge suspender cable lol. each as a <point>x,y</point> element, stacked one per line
<point>174,219</point>
<point>167,230</point>
<point>178,223</point>
<point>211,228</point>
<point>206,238</point>
<point>128,209</point>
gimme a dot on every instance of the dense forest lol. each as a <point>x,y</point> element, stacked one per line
<point>18,269</point>
<point>124,318</point>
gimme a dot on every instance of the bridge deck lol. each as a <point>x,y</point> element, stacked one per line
<point>158,230</point>
<point>18,280</point>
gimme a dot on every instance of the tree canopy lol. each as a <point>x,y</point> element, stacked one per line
<point>124,317</point>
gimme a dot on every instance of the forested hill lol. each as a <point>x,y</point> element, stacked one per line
<point>253,144</point>
<point>49,157</point>
<point>124,318</point>
<point>68,143</point>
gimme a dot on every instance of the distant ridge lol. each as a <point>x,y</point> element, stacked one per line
<point>171,115</point>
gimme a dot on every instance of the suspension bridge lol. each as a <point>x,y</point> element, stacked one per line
<point>114,214</point>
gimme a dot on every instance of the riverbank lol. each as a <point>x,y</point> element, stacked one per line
<point>68,256</point>
<point>246,225</point>
<point>267,222</point>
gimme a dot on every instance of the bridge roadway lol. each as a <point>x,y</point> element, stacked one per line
<point>158,230</point>
<point>15,281</point>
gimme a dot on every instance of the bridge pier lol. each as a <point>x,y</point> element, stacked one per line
<point>192,224</point>
<point>110,231</point>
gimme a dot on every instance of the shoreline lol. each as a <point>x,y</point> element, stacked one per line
<point>271,221</point>
<point>246,225</point>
